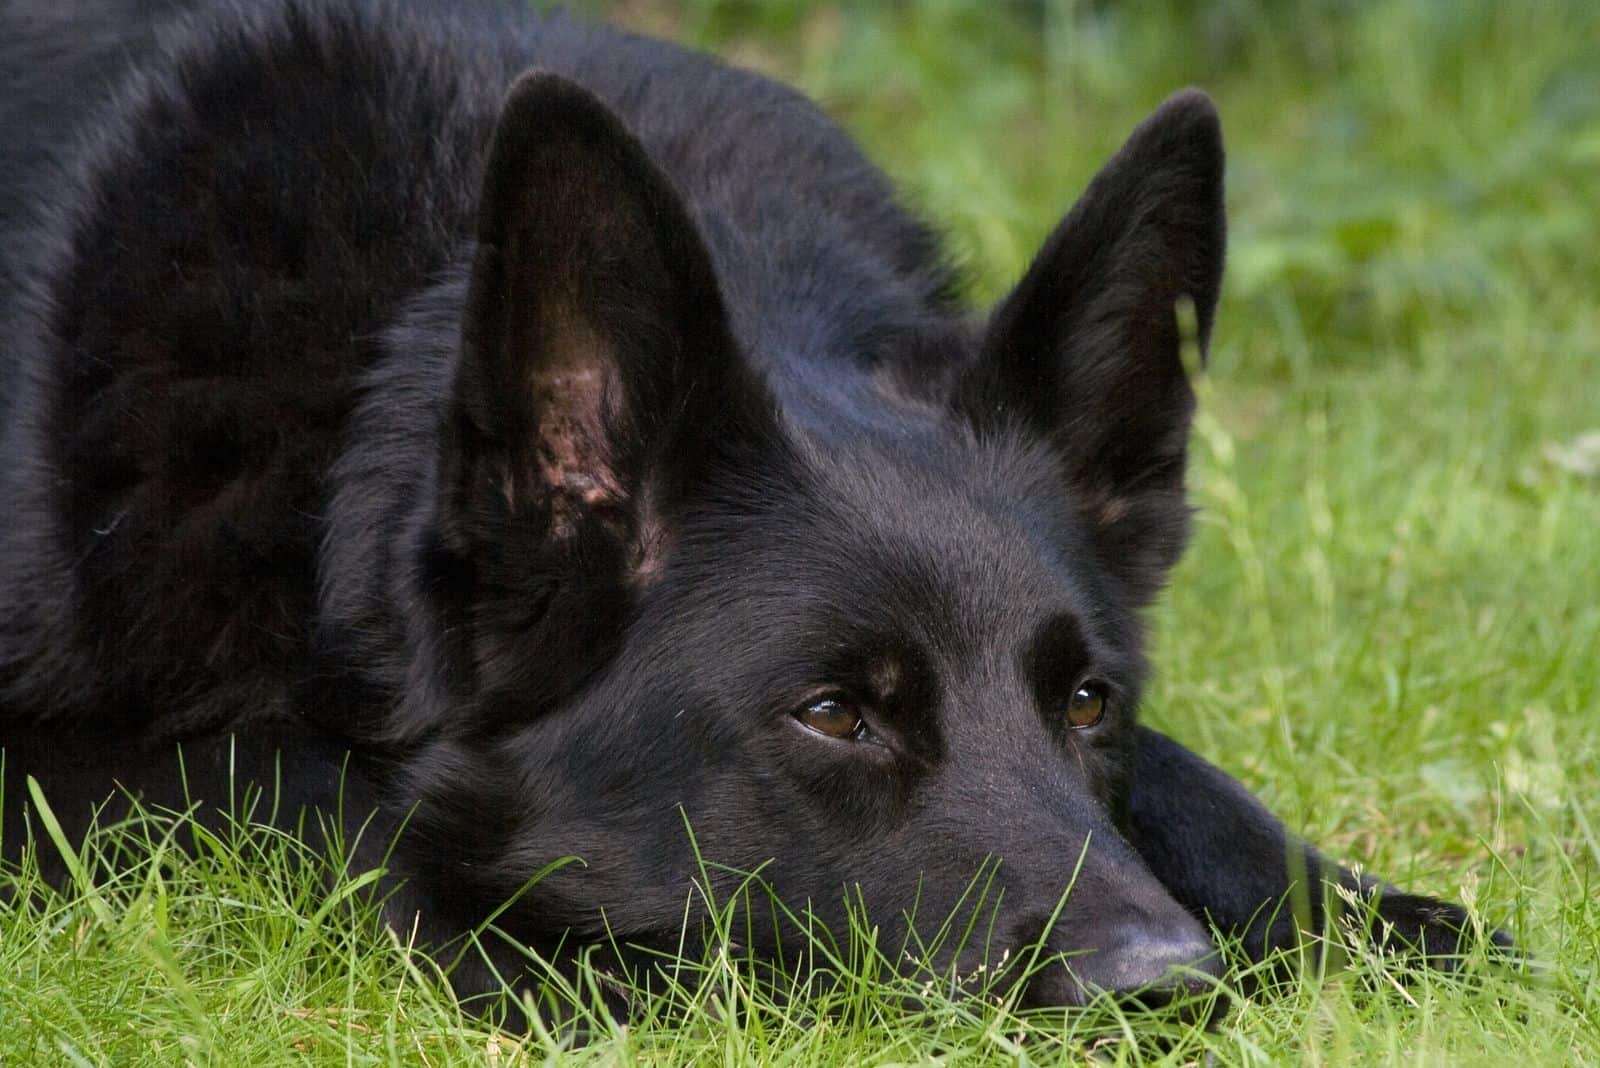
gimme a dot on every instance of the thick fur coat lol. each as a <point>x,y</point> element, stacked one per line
<point>549,438</point>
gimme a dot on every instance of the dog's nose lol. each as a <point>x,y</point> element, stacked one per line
<point>1149,970</point>
<point>1138,968</point>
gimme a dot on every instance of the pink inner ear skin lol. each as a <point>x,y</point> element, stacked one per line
<point>575,465</point>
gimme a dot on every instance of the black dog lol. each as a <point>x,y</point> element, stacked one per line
<point>577,432</point>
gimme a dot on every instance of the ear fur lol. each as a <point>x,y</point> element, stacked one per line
<point>1085,351</point>
<point>597,387</point>
<point>595,349</point>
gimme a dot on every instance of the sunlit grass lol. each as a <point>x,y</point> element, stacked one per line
<point>255,947</point>
<point>1389,625</point>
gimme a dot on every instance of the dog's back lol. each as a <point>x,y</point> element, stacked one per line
<point>220,213</point>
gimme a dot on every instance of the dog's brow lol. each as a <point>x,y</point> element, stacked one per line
<point>887,674</point>
<point>1054,654</point>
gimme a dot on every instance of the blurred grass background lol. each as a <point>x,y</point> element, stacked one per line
<point>1389,624</point>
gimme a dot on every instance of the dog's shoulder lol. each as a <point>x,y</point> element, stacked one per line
<point>239,200</point>
<point>233,211</point>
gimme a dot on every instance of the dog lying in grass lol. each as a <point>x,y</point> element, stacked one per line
<point>552,442</point>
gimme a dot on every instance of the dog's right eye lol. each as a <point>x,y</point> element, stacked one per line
<point>834,716</point>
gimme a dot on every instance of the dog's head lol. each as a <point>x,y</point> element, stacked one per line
<point>868,625</point>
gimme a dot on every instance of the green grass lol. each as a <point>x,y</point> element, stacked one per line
<point>1388,626</point>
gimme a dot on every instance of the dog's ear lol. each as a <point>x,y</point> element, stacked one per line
<point>596,363</point>
<point>1086,350</point>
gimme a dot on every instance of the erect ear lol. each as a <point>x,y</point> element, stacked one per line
<point>1086,350</point>
<point>596,364</point>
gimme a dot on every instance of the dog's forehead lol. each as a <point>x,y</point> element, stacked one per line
<point>959,520</point>
<point>957,549</point>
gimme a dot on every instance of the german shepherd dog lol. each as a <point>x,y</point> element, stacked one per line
<point>549,439</point>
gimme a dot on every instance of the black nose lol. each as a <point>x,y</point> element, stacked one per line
<point>1138,968</point>
<point>1148,970</point>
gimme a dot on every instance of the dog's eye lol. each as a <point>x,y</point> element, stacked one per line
<point>1087,706</point>
<point>834,716</point>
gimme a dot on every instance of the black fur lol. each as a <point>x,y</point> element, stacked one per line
<point>548,441</point>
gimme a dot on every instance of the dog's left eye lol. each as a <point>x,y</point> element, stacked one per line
<point>1087,706</point>
<point>834,716</point>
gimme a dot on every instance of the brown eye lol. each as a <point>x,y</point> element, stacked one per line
<point>835,717</point>
<point>1087,707</point>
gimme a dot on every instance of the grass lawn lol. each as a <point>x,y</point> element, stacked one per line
<point>1388,626</point>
